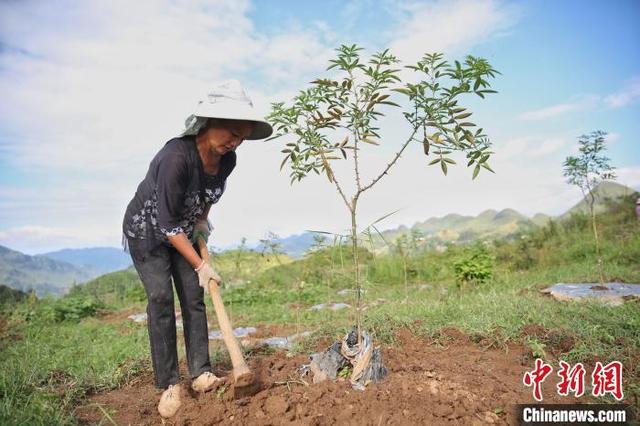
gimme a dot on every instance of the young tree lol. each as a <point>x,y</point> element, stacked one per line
<point>401,247</point>
<point>339,115</point>
<point>272,245</point>
<point>587,171</point>
<point>239,256</point>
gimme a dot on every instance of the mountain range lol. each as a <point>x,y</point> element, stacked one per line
<point>54,273</point>
<point>454,228</point>
<point>96,260</point>
<point>46,276</point>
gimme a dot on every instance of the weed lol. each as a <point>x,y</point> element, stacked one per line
<point>536,348</point>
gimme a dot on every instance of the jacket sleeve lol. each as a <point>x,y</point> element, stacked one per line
<point>172,180</point>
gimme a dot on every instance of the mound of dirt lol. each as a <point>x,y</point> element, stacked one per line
<point>557,341</point>
<point>460,383</point>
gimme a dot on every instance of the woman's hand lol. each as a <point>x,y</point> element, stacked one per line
<point>205,274</point>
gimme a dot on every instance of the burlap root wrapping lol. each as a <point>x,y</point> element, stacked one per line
<point>365,360</point>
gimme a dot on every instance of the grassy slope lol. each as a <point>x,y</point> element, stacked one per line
<point>53,364</point>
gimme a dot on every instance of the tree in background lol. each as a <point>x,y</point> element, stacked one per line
<point>337,117</point>
<point>402,249</point>
<point>271,244</point>
<point>587,171</point>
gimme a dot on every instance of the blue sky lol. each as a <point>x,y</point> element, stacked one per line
<point>91,90</point>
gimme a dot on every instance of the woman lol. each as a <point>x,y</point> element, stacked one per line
<point>169,209</point>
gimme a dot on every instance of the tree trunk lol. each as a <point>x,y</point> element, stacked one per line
<point>354,247</point>
<point>595,234</point>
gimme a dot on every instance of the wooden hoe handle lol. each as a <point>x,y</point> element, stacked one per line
<point>241,372</point>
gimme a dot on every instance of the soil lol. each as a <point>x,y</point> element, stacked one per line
<point>557,341</point>
<point>428,383</point>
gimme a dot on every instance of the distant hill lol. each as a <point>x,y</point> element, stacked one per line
<point>46,276</point>
<point>455,228</point>
<point>296,245</point>
<point>606,190</point>
<point>96,260</point>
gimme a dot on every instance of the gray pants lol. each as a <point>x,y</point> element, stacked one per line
<point>156,269</point>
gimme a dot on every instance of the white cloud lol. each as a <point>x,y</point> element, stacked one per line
<point>612,138</point>
<point>449,26</point>
<point>34,239</point>
<point>295,54</point>
<point>113,90</point>
<point>531,146</point>
<point>627,95</point>
<point>583,103</point>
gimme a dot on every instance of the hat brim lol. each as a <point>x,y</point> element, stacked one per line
<point>228,111</point>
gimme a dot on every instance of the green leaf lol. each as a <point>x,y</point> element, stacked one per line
<point>486,166</point>
<point>469,137</point>
<point>443,165</point>
<point>384,217</point>
<point>476,170</point>
<point>449,160</point>
<point>461,116</point>
<point>466,124</point>
<point>372,142</point>
<point>403,91</point>
<point>284,162</point>
<point>437,160</point>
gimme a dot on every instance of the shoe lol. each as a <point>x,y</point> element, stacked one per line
<point>170,401</point>
<point>205,382</point>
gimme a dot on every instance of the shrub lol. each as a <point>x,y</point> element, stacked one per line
<point>71,309</point>
<point>475,267</point>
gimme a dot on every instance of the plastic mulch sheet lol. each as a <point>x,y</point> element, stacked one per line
<point>611,293</point>
<point>238,332</point>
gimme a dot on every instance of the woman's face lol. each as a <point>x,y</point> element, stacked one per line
<point>227,137</point>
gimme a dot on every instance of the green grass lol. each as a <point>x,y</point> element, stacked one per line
<point>51,367</point>
<point>55,352</point>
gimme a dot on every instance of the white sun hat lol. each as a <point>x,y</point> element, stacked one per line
<point>227,100</point>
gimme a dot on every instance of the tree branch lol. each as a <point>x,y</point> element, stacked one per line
<point>397,156</point>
